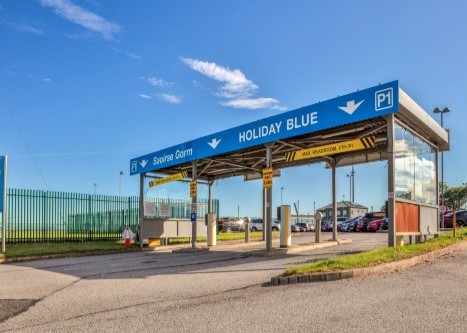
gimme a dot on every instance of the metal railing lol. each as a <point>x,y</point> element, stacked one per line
<point>45,216</point>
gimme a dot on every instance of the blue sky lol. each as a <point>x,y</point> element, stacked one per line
<point>87,85</point>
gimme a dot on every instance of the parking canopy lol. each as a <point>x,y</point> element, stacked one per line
<point>355,120</point>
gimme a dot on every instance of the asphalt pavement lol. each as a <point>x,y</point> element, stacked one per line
<point>228,291</point>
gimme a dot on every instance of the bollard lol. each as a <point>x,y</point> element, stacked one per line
<point>212,234</point>
<point>286,237</point>
<point>318,217</point>
<point>247,229</point>
<point>454,222</point>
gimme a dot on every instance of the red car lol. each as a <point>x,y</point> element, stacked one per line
<point>374,225</point>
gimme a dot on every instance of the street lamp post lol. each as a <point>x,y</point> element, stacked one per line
<point>120,184</point>
<point>351,176</point>
<point>445,110</point>
<point>95,187</point>
<point>282,188</point>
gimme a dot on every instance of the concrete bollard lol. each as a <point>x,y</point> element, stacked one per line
<point>318,218</point>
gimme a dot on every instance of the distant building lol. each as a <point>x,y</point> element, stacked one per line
<point>344,209</point>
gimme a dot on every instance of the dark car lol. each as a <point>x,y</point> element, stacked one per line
<point>385,224</point>
<point>461,219</point>
<point>367,218</point>
<point>350,224</point>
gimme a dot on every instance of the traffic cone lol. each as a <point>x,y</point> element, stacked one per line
<point>128,235</point>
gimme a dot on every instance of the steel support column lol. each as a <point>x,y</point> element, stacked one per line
<point>194,199</point>
<point>268,194</point>
<point>334,201</point>
<point>391,182</point>
<point>141,209</point>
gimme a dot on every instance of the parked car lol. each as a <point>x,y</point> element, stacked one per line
<point>350,224</point>
<point>296,228</point>
<point>231,224</point>
<point>306,226</point>
<point>257,225</point>
<point>374,225</point>
<point>385,224</point>
<point>367,218</point>
<point>328,225</point>
<point>461,219</point>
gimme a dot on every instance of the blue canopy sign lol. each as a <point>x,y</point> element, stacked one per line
<point>361,105</point>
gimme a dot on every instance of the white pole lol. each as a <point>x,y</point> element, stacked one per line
<point>4,205</point>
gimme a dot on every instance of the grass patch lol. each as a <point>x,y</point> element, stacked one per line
<point>223,237</point>
<point>41,249</point>
<point>376,257</point>
<point>25,250</point>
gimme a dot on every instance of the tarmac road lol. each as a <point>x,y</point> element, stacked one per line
<point>225,291</point>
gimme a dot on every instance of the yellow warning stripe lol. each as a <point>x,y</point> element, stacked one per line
<point>168,179</point>
<point>335,148</point>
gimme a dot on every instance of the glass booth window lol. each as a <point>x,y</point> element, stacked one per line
<point>415,170</point>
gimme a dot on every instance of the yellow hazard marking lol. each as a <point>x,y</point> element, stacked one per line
<point>267,177</point>
<point>168,179</point>
<point>193,188</point>
<point>335,148</point>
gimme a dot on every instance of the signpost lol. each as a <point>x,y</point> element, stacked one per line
<point>335,148</point>
<point>3,172</point>
<point>351,108</point>
<point>168,179</point>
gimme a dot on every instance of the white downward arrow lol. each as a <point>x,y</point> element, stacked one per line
<point>351,106</point>
<point>143,163</point>
<point>214,142</point>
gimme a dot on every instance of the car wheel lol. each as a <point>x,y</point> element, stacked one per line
<point>275,229</point>
<point>254,229</point>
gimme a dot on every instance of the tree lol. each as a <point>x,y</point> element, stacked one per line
<point>455,195</point>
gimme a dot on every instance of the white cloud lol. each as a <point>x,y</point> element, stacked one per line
<point>22,26</point>
<point>46,79</point>
<point>235,82</point>
<point>82,17</point>
<point>255,103</point>
<point>236,89</point>
<point>169,98</point>
<point>144,96</point>
<point>154,81</point>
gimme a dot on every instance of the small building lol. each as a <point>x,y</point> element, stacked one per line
<point>344,209</point>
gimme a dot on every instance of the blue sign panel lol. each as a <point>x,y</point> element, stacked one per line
<point>2,181</point>
<point>361,105</point>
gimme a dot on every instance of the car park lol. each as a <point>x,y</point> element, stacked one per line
<point>461,219</point>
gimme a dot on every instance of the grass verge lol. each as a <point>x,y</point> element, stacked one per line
<point>42,249</point>
<point>376,257</point>
<point>26,250</point>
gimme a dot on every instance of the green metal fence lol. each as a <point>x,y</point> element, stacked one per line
<point>45,216</point>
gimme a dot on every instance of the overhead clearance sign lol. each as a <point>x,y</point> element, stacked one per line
<point>168,179</point>
<point>361,105</point>
<point>335,148</point>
